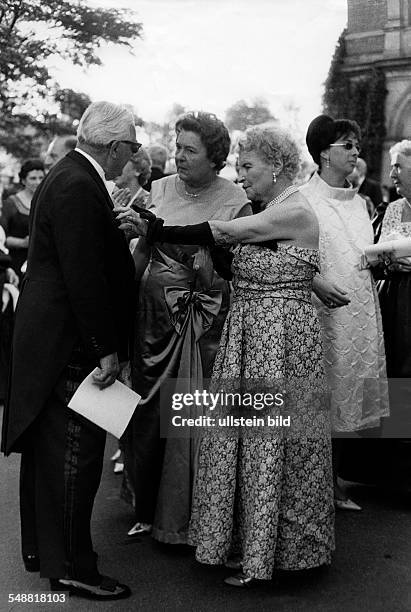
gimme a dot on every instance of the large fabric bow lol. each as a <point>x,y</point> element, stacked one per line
<point>201,307</point>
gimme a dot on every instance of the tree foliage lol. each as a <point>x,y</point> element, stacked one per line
<point>24,135</point>
<point>359,97</point>
<point>336,92</point>
<point>240,115</point>
<point>31,33</point>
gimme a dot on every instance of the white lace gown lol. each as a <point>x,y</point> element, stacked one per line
<point>353,336</point>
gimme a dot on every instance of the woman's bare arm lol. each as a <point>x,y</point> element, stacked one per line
<point>288,221</point>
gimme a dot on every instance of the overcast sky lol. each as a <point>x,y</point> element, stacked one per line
<point>207,54</point>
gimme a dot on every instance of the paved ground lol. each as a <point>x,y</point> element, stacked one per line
<point>371,569</point>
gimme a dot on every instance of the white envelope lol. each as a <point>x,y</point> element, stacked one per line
<point>110,408</point>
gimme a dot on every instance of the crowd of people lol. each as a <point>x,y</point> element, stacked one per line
<point>200,283</point>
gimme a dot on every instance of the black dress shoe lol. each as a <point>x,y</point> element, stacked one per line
<point>31,563</point>
<point>56,585</point>
<point>107,588</point>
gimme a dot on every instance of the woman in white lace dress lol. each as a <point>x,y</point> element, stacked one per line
<point>349,311</point>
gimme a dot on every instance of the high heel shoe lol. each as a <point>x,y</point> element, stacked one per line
<point>139,528</point>
<point>239,580</point>
<point>346,504</point>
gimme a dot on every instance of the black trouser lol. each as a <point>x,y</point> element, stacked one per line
<point>60,473</point>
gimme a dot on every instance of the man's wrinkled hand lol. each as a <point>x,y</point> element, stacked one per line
<point>108,371</point>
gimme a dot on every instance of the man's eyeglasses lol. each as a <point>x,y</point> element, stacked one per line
<point>135,146</point>
<point>347,145</point>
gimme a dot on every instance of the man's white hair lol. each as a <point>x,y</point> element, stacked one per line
<point>403,147</point>
<point>103,122</point>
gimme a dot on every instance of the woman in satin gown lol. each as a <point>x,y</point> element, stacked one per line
<point>263,498</point>
<point>181,310</point>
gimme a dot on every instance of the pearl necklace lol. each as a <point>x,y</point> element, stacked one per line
<point>283,195</point>
<point>193,195</point>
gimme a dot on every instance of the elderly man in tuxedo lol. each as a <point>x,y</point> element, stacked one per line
<point>74,314</point>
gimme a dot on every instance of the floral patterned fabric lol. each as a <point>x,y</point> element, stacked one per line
<point>393,223</point>
<point>269,497</point>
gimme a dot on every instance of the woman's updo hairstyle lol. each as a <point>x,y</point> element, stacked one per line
<point>324,130</point>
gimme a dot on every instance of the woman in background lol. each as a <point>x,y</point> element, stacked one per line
<point>8,291</point>
<point>136,174</point>
<point>16,210</point>
<point>129,189</point>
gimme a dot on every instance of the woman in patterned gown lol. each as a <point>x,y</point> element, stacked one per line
<point>266,497</point>
<point>349,311</point>
<point>395,294</point>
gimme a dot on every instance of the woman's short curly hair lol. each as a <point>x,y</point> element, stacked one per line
<point>142,163</point>
<point>28,166</point>
<point>213,133</point>
<point>273,145</point>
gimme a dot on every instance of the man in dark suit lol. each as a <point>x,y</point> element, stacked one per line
<point>58,148</point>
<point>369,189</point>
<point>74,314</point>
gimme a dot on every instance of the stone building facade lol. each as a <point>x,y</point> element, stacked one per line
<point>379,34</point>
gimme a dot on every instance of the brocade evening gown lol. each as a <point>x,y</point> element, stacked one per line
<point>269,497</point>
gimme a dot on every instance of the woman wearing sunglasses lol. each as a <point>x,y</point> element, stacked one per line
<point>348,304</point>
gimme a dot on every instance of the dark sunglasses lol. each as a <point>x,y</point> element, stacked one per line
<point>135,146</point>
<point>347,145</point>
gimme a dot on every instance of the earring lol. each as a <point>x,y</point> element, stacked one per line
<point>274,177</point>
<point>327,163</point>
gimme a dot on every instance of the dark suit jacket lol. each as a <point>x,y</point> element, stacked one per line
<point>78,290</point>
<point>371,189</point>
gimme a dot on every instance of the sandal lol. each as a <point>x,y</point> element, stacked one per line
<point>239,580</point>
<point>108,589</point>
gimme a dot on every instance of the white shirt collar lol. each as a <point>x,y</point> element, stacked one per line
<point>95,165</point>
